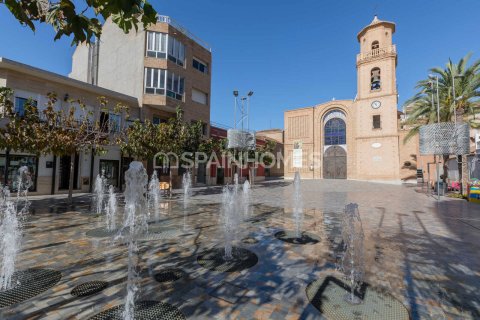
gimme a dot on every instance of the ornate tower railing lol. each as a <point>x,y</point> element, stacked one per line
<point>377,53</point>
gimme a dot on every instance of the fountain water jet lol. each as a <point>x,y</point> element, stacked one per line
<point>352,261</point>
<point>229,219</point>
<point>10,239</point>
<point>246,199</point>
<point>154,195</point>
<point>99,190</point>
<point>111,209</point>
<point>24,182</point>
<point>297,205</point>
<point>229,258</point>
<point>187,188</point>
<point>135,219</point>
<point>11,225</point>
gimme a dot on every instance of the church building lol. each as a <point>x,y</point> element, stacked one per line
<point>358,139</point>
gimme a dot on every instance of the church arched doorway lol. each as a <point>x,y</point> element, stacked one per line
<point>335,163</point>
<point>335,145</point>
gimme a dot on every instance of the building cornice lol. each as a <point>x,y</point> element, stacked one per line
<point>12,65</point>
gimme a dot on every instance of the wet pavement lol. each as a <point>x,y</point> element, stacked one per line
<point>423,252</point>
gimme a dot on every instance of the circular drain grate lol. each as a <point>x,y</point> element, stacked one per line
<point>27,284</point>
<point>291,237</point>
<point>169,275</point>
<point>328,296</point>
<point>89,288</point>
<point>213,260</point>
<point>144,310</point>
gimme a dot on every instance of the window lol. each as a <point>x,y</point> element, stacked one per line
<point>155,81</point>
<point>175,86</point>
<point>21,104</point>
<point>375,45</point>
<point>156,120</point>
<point>375,79</point>
<point>199,65</point>
<point>176,51</point>
<point>110,122</point>
<point>335,132</point>
<point>376,122</point>
<point>114,121</point>
<point>156,44</point>
<point>199,96</point>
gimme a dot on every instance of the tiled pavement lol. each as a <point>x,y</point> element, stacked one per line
<point>424,252</point>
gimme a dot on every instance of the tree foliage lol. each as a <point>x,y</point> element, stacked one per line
<point>61,131</point>
<point>467,91</point>
<point>21,132</point>
<point>143,140</point>
<point>423,104</point>
<point>67,20</point>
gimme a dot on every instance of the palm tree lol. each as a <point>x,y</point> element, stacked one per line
<point>423,108</point>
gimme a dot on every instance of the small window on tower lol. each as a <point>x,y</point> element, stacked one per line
<point>375,45</point>
<point>376,122</point>
<point>375,79</point>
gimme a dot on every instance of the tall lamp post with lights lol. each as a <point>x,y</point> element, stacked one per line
<point>240,138</point>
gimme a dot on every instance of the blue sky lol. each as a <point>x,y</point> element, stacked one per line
<point>290,53</point>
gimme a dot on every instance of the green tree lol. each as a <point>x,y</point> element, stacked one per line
<point>83,23</point>
<point>21,132</point>
<point>140,140</point>
<point>466,105</point>
<point>59,131</point>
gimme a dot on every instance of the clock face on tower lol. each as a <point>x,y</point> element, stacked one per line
<point>376,104</point>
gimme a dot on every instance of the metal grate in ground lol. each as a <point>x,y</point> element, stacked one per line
<point>328,296</point>
<point>89,288</point>
<point>27,284</point>
<point>144,310</point>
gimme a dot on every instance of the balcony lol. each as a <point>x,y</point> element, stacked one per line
<point>377,53</point>
<point>173,23</point>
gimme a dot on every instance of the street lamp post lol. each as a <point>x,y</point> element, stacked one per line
<point>244,109</point>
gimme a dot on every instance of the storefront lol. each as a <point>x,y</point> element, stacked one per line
<point>110,168</point>
<point>9,165</point>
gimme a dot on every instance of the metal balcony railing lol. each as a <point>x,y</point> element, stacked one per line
<point>173,23</point>
<point>377,53</point>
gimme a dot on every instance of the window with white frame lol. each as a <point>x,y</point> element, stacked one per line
<point>156,44</point>
<point>175,86</point>
<point>155,81</point>
<point>176,51</point>
<point>199,96</point>
<point>200,65</point>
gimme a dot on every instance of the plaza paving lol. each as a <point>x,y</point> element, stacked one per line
<point>423,252</point>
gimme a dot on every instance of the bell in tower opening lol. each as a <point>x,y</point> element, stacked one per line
<point>375,79</point>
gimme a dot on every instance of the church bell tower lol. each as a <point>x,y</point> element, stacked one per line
<point>376,103</point>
